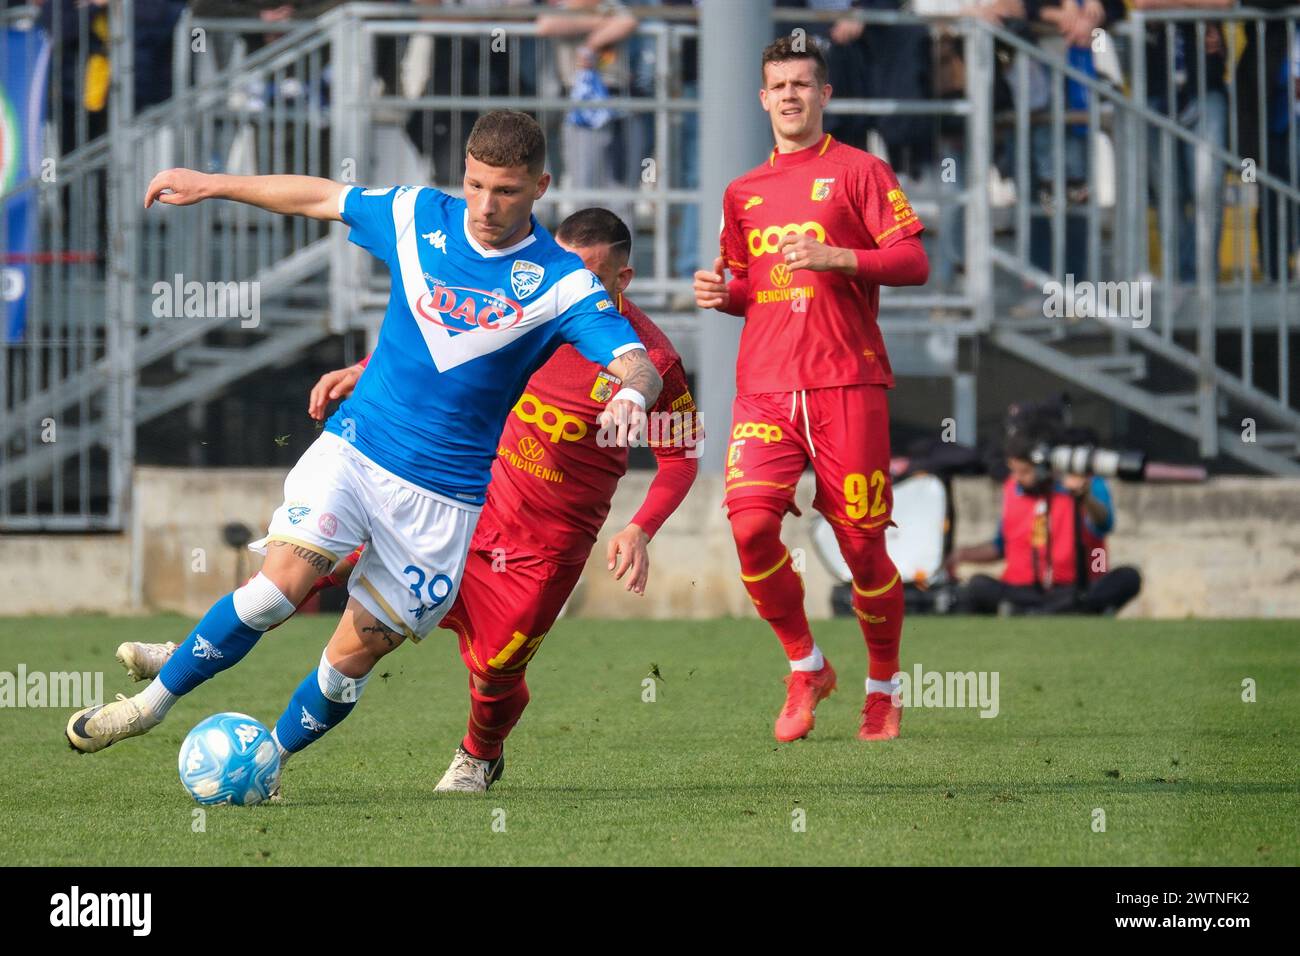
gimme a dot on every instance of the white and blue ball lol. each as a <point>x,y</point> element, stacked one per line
<point>230,758</point>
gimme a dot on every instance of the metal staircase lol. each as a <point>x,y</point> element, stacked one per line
<point>1163,365</point>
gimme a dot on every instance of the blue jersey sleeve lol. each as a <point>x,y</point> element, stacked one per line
<point>1101,492</point>
<point>369,213</point>
<point>589,320</point>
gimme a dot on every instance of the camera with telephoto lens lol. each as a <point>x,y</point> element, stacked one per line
<point>1088,460</point>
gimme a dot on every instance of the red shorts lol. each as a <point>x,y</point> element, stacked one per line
<point>508,600</point>
<point>843,431</point>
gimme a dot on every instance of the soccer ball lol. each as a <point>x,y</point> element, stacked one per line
<point>230,758</point>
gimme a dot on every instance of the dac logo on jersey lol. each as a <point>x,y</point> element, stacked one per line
<point>768,433</point>
<point>525,277</point>
<point>821,188</point>
<point>780,275</point>
<point>297,513</point>
<point>549,420</point>
<point>769,239</point>
<point>603,390</point>
<point>456,308</point>
<point>752,201</point>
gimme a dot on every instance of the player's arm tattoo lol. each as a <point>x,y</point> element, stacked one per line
<point>383,630</point>
<point>638,372</point>
<point>320,562</point>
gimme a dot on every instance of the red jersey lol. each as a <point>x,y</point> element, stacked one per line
<point>552,484</point>
<point>811,329</point>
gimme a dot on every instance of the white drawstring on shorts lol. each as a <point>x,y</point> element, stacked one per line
<point>795,398</point>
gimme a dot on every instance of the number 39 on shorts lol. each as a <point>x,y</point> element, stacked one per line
<point>864,498</point>
<point>438,587</point>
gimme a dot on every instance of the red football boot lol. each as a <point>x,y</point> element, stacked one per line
<point>803,691</point>
<point>880,718</point>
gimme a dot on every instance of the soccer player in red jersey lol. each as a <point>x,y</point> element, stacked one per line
<point>810,236</point>
<point>551,489</point>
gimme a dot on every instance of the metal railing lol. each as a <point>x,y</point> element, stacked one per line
<point>368,94</point>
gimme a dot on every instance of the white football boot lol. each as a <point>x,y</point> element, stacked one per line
<point>143,661</point>
<point>469,774</point>
<point>94,728</point>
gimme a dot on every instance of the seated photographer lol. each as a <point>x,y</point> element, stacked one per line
<point>1052,535</point>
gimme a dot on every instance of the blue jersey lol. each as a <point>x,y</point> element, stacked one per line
<point>466,327</point>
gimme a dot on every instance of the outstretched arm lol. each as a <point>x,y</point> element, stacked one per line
<point>308,196</point>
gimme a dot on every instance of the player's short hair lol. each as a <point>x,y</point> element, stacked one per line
<point>508,138</point>
<point>786,48</point>
<point>596,227</point>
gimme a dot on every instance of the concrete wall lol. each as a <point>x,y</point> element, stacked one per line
<point>1229,548</point>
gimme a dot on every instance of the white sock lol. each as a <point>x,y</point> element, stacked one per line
<point>813,662</point>
<point>882,686</point>
<point>336,685</point>
<point>157,699</point>
<point>284,754</point>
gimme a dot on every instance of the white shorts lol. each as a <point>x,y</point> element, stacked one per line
<point>335,498</point>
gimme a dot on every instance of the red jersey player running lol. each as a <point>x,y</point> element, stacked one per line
<point>810,236</point>
<point>551,489</point>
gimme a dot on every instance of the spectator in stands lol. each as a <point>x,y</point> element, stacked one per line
<point>84,79</point>
<point>1052,535</point>
<point>1194,173</point>
<point>591,71</point>
<point>1074,21</point>
<point>685,154</point>
<point>1257,133</point>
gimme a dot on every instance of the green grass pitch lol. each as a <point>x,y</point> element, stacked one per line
<point>1143,721</point>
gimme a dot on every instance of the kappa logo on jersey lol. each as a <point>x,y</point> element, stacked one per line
<point>768,433</point>
<point>752,201</point>
<point>769,240</point>
<point>311,724</point>
<point>204,650</point>
<point>557,425</point>
<point>525,277</point>
<point>437,239</point>
<point>457,309</point>
<point>603,390</point>
<point>821,188</point>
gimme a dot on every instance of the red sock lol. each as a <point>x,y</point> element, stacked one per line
<point>877,601</point>
<point>491,718</point>
<point>770,578</point>
<point>880,614</point>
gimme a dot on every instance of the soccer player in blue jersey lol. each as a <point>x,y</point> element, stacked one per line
<point>481,297</point>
